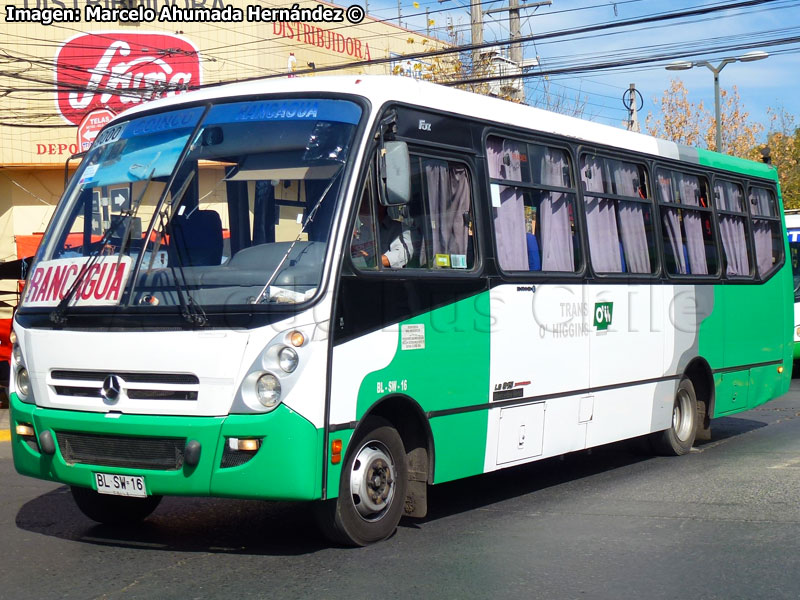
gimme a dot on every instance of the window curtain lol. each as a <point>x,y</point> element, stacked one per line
<point>601,220</point>
<point>448,198</point>
<point>689,187</point>
<point>731,229</point>
<point>631,218</point>
<point>509,216</point>
<point>555,227</point>
<point>761,204</point>
<point>672,224</point>
<point>762,235</point>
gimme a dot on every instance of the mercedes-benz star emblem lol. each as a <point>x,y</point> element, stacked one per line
<point>112,386</point>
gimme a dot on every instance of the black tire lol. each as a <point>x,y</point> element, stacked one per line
<point>113,510</point>
<point>372,488</point>
<point>679,438</point>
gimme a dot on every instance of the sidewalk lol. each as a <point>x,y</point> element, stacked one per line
<point>5,434</point>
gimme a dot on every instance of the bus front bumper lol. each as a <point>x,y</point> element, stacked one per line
<point>286,465</point>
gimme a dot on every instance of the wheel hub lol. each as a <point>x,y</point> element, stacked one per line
<point>682,420</point>
<point>372,481</point>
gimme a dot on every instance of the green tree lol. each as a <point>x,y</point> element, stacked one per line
<point>783,142</point>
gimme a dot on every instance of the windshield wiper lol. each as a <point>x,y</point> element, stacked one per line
<point>166,216</point>
<point>286,254</point>
<point>59,314</point>
<point>191,311</point>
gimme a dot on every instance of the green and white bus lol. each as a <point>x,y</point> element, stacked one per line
<point>793,233</point>
<point>345,290</point>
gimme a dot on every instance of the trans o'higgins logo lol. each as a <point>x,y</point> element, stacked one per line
<point>117,70</point>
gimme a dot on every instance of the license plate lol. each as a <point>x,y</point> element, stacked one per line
<point>120,485</point>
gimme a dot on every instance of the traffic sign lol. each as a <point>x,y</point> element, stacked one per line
<point>91,125</point>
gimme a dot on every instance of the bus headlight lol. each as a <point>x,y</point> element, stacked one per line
<point>287,359</point>
<point>268,390</point>
<point>16,352</point>
<point>23,383</point>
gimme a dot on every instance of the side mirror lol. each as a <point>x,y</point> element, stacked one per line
<point>394,174</point>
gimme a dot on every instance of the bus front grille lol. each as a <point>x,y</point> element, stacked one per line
<point>129,376</point>
<point>165,454</point>
<point>133,394</point>
<point>135,385</point>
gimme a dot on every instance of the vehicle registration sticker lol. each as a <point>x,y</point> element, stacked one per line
<point>120,485</point>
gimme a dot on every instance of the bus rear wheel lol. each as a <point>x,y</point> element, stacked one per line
<point>113,510</point>
<point>372,488</point>
<point>679,438</point>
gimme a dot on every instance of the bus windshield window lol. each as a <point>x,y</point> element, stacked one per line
<point>119,184</point>
<point>247,215</point>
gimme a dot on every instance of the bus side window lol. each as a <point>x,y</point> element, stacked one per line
<point>533,206</point>
<point>689,245</point>
<point>618,215</point>
<point>433,231</point>
<point>363,248</point>
<point>440,214</point>
<point>767,237</point>
<point>729,201</point>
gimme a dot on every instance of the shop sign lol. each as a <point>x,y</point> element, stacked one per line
<point>119,69</point>
<point>91,125</point>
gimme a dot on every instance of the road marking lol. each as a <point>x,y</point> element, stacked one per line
<point>5,435</point>
<point>793,463</point>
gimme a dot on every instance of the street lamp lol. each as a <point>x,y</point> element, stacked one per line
<point>684,65</point>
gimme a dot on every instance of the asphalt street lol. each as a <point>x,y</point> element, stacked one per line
<point>720,523</point>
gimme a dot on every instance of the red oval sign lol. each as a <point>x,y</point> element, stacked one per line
<point>117,70</point>
<point>91,125</point>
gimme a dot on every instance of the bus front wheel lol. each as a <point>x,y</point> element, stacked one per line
<point>113,510</point>
<point>679,438</point>
<point>372,488</point>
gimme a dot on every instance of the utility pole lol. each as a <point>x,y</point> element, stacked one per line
<point>515,48</point>
<point>476,21</point>
<point>631,99</point>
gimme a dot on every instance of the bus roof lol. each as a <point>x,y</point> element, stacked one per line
<point>792,219</point>
<point>380,89</point>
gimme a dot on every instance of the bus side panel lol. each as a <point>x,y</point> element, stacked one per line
<point>460,443</point>
<point>755,324</point>
<point>624,318</point>
<point>439,359</point>
<point>539,354</point>
<point>749,333</point>
<point>442,363</point>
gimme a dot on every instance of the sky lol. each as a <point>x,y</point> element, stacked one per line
<point>770,83</point>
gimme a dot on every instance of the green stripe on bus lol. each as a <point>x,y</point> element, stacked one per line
<point>445,365</point>
<point>738,166</point>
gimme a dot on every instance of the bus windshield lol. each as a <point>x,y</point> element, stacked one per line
<point>223,206</point>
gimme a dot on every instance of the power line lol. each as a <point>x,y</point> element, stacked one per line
<point>537,37</point>
<point>619,63</point>
<point>554,71</point>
